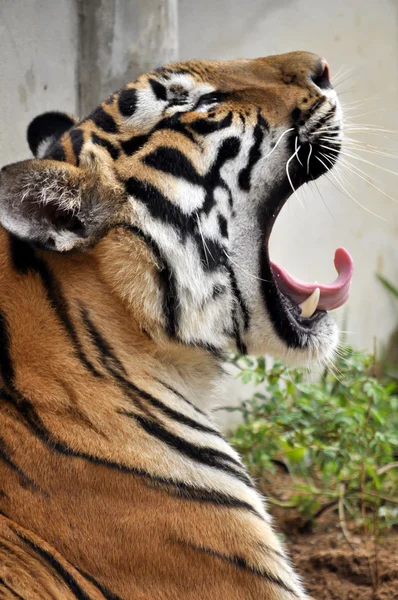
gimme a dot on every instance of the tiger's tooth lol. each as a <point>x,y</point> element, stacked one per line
<point>308,307</point>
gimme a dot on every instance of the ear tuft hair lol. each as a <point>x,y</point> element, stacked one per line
<point>46,129</point>
<point>53,205</point>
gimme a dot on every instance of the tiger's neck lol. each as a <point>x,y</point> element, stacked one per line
<point>82,376</point>
<point>74,322</point>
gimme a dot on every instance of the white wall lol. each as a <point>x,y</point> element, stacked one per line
<point>358,34</point>
<point>38,57</point>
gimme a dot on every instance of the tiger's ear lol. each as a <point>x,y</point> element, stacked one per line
<point>52,204</point>
<point>46,129</point>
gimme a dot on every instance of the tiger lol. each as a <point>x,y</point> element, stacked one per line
<point>133,257</point>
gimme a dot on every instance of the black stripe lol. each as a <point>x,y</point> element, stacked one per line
<point>158,89</point>
<point>181,418</point>
<point>58,302</point>
<point>167,282</point>
<point>296,115</point>
<point>240,345</point>
<point>10,589</point>
<point>24,479</point>
<point>238,296</point>
<point>113,151</point>
<point>173,161</point>
<point>174,391</point>
<point>102,588</point>
<point>6,364</point>
<point>134,144</point>
<point>267,548</point>
<point>158,205</point>
<point>207,456</point>
<point>66,577</point>
<point>239,562</point>
<point>23,257</point>
<point>254,157</point>
<point>228,150</point>
<point>103,120</point>
<point>173,123</point>
<point>204,126</point>
<point>110,362</point>
<point>222,225</point>
<point>105,350</point>
<point>76,136</point>
<point>170,302</point>
<point>26,260</point>
<point>239,302</point>
<point>173,487</point>
<point>127,102</point>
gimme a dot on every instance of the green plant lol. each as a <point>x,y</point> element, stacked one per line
<point>337,438</point>
<point>390,351</point>
<point>391,288</point>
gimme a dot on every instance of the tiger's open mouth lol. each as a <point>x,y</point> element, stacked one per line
<point>295,306</point>
<point>308,300</point>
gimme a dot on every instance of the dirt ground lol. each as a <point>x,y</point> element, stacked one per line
<point>332,570</point>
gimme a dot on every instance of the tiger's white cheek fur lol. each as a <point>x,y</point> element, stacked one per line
<point>213,262</point>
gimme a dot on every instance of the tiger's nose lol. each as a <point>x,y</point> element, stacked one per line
<point>321,75</point>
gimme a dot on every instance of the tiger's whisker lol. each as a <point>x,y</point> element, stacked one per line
<point>353,169</point>
<point>288,174</point>
<point>348,193</point>
<point>244,270</point>
<point>295,145</point>
<point>360,159</point>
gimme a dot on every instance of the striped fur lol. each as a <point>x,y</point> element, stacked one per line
<point>115,482</point>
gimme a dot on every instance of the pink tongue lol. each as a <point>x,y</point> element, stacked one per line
<point>333,294</point>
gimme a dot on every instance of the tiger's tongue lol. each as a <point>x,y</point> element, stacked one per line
<point>332,295</point>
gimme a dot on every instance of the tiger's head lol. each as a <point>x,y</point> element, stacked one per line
<point>174,183</point>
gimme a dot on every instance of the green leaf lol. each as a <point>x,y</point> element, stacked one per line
<point>388,285</point>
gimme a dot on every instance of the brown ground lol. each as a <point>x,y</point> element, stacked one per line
<point>331,567</point>
<point>332,570</point>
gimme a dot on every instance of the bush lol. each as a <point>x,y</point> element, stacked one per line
<point>337,439</point>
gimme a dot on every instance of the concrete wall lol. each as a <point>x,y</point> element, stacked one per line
<point>360,35</point>
<point>119,40</point>
<point>38,59</point>
<point>70,54</point>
